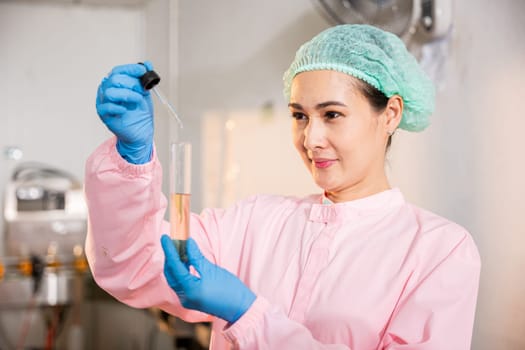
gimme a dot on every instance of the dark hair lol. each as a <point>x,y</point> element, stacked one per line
<point>376,98</point>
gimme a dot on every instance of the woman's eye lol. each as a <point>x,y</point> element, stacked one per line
<point>299,116</point>
<point>332,115</point>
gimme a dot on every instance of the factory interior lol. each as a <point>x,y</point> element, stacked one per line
<point>221,66</point>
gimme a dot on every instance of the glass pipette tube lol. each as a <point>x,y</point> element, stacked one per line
<point>168,105</point>
<point>180,195</point>
<point>149,80</point>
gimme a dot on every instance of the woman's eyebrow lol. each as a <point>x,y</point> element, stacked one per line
<point>295,106</point>
<point>318,106</point>
<point>329,103</point>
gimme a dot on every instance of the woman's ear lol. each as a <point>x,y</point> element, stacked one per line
<point>393,113</point>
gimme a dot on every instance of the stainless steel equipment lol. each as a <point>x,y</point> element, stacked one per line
<point>45,212</point>
<point>42,263</point>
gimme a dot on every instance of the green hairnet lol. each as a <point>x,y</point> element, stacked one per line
<point>375,56</point>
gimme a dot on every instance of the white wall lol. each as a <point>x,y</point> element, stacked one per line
<point>51,62</point>
<point>52,59</point>
<point>468,166</point>
<point>53,56</point>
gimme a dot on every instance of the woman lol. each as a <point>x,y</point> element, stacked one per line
<point>356,267</point>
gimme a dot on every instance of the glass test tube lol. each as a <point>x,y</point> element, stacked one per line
<point>180,194</point>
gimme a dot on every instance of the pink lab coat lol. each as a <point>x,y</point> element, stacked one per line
<point>374,273</point>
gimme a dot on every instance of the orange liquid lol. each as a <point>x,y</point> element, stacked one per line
<point>180,216</point>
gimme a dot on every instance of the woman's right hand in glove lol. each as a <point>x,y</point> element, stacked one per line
<point>126,109</point>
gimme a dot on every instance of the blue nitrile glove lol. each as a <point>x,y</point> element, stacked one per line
<point>126,109</point>
<point>216,292</point>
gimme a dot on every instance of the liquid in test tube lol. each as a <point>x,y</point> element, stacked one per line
<point>180,195</point>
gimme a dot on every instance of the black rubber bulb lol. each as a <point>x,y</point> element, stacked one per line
<point>149,79</point>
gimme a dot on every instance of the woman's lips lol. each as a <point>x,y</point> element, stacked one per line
<point>323,163</point>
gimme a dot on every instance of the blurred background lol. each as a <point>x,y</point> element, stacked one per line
<point>221,65</point>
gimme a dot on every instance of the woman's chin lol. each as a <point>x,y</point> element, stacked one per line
<point>324,185</point>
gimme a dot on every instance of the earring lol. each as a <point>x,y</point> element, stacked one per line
<point>390,133</point>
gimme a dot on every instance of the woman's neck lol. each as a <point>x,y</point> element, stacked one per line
<point>359,190</point>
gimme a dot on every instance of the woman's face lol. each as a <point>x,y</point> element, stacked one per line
<point>340,137</point>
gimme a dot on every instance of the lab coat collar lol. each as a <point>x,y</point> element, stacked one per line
<point>326,211</point>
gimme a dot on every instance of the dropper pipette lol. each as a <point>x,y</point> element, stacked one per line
<point>180,174</point>
<point>149,81</point>
<point>168,105</point>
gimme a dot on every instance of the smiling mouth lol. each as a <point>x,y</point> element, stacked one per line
<point>323,163</point>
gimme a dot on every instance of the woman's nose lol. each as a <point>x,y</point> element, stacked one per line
<point>314,134</point>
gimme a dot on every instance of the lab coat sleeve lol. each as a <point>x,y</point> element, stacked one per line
<point>437,310</point>
<point>265,326</point>
<point>126,210</point>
